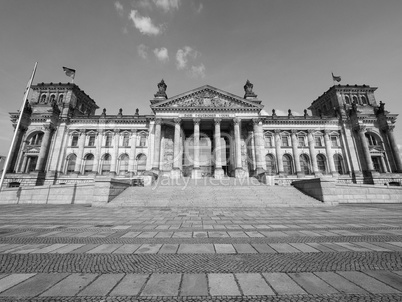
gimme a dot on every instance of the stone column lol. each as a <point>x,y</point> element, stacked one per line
<point>278,142</point>
<point>259,145</point>
<point>176,172</point>
<point>384,166</point>
<point>97,155</point>
<point>362,130</point>
<point>133,146</point>
<point>239,172</point>
<point>44,148</point>
<point>330,155</point>
<point>115,153</point>
<point>80,153</point>
<point>196,172</point>
<point>24,164</point>
<point>17,149</point>
<point>296,153</point>
<point>18,168</point>
<point>218,173</point>
<point>251,145</point>
<point>157,145</point>
<point>313,157</point>
<point>394,146</point>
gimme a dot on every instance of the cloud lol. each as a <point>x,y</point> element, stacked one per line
<point>144,24</point>
<point>182,56</point>
<point>162,54</point>
<point>142,51</point>
<point>197,71</point>
<point>119,7</point>
<point>200,8</point>
<point>167,5</point>
<point>145,4</point>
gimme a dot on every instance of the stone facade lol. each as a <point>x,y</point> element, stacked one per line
<point>204,132</point>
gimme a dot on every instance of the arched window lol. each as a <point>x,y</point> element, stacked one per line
<point>355,100</point>
<point>287,164</point>
<point>123,164</point>
<point>36,139</point>
<point>364,100</point>
<point>371,139</point>
<point>321,163</point>
<point>60,98</point>
<point>305,164</point>
<point>52,98</point>
<point>89,163</point>
<point>338,161</point>
<point>106,160</point>
<point>347,100</point>
<point>43,98</point>
<point>141,162</point>
<point>71,160</point>
<point>270,161</point>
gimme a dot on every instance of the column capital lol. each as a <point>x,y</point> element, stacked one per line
<point>277,131</point>
<point>293,131</point>
<point>158,121</point>
<point>197,120</point>
<point>133,131</point>
<point>217,121</point>
<point>360,128</point>
<point>256,120</point>
<point>236,121</point>
<point>49,128</point>
<point>388,128</point>
<point>310,131</point>
<point>327,132</point>
<point>116,131</point>
<point>177,120</point>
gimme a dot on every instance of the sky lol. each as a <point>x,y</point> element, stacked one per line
<point>122,49</point>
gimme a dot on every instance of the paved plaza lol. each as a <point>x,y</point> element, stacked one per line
<point>79,253</point>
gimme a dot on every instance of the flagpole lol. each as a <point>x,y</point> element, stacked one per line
<point>5,168</point>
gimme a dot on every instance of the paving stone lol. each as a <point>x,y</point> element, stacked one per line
<point>126,249</point>
<point>224,249</point>
<point>312,284</point>
<point>283,248</point>
<point>168,249</point>
<point>389,278</point>
<point>283,284</point>
<point>34,285</point>
<point>368,283</point>
<point>162,285</point>
<point>130,285</point>
<point>222,285</point>
<point>148,249</point>
<point>244,248</point>
<point>104,249</point>
<point>196,248</point>
<point>70,286</point>
<point>67,248</point>
<point>13,279</point>
<point>194,285</point>
<point>50,248</point>
<point>253,284</point>
<point>263,248</point>
<point>304,248</point>
<point>102,285</point>
<point>341,284</point>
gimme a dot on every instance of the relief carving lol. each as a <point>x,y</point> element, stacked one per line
<point>204,99</point>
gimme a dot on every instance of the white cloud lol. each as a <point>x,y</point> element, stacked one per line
<point>144,24</point>
<point>119,7</point>
<point>162,54</point>
<point>167,5</point>
<point>142,51</point>
<point>145,4</point>
<point>197,71</point>
<point>200,8</point>
<point>182,56</point>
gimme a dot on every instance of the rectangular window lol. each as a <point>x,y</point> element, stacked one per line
<point>317,140</point>
<point>108,141</point>
<point>334,141</point>
<point>74,141</point>
<point>301,141</point>
<point>91,141</point>
<point>126,140</point>
<point>285,141</point>
<point>143,140</point>
<point>268,141</point>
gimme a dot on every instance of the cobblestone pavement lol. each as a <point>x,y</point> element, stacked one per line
<point>79,253</point>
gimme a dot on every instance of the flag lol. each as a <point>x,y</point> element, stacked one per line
<point>336,78</point>
<point>69,72</point>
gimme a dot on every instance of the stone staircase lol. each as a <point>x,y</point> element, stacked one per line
<point>210,192</point>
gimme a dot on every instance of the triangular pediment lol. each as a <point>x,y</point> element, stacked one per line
<point>206,97</point>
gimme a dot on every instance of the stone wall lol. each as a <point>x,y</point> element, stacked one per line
<point>330,191</point>
<point>53,194</point>
<point>106,189</point>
